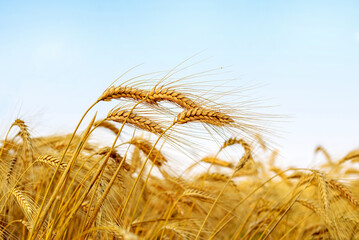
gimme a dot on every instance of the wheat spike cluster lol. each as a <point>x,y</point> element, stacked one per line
<point>170,161</point>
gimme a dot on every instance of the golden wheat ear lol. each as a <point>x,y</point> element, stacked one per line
<point>134,119</point>
<point>159,94</point>
<point>325,153</point>
<point>11,169</point>
<point>323,189</point>
<point>25,136</point>
<point>203,115</point>
<point>24,132</point>
<point>123,92</point>
<point>107,125</point>
<point>343,191</point>
<point>25,203</point>
<point>145,146</point>
<point>247,151</point>
<point>352,156</point>
<point>315,208</point>
<point>52,161</point>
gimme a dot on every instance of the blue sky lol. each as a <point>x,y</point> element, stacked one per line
<point>305,54</point>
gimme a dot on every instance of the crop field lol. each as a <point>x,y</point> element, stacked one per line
<point>179,160</point>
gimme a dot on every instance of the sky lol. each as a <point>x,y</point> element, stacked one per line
<point>56,58</point>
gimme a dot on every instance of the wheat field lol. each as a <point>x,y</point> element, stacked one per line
<point>135,184</point>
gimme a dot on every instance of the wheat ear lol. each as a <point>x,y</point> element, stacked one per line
<point>24,132</point>
<point>315,208</point>
<point>145,146</point>
<point>166,94</point>
<point>204,115</point>
<point>11,169</point>
<point>141,122</point>
<point>343,191</point>
<point>325,153</point>
<point>218,177</point>
<point>123,92</point>
<point>352,156</point>
<point>107,125</point>
<point>21,199</point>
<point>247,151</point>
<point>198,194</point>
<point>322,188</point>
<point>52,161</point>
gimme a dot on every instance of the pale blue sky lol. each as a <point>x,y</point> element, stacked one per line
<point>305,53</point>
